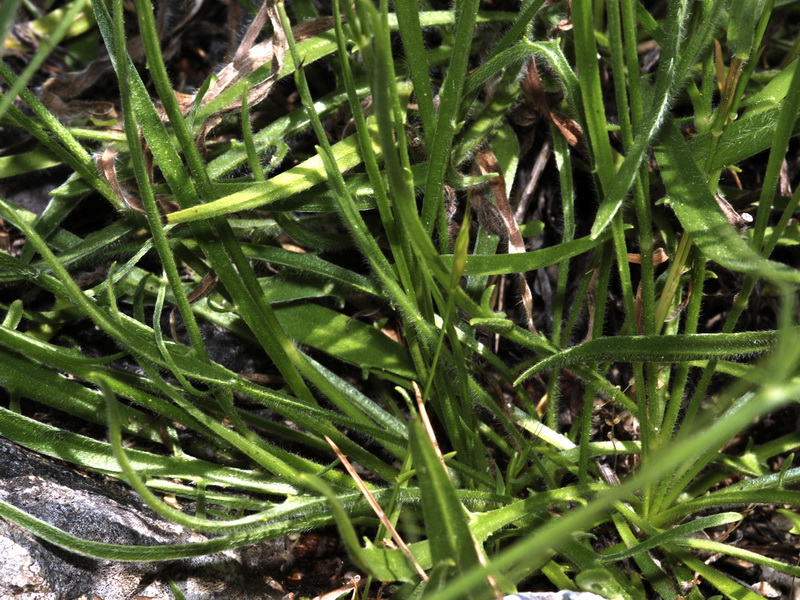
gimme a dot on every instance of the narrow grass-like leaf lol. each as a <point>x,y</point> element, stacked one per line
<point>273,459</point>
<point>762,494</point>
<point>447,116</point>
<point>417,61</point>
<point>446,522</point>
<point>138,339</point>
<point>419,262</point>
<point>777,156</point>
<point>84,451</point>
<point>320,198</point>
<point>390,426</point>
<point>155,503</point>
<point>674,534</point>
<point>489,117</point>
<point>760,490</point>
<point>8,11</point>
<point>659,349</point>
<point>15,270</point>
<point>514,56</point>
<point>498,264</point>
<point>665,88</point>
<point>564,164</point>
<point>499,447</point>
<point>85,368</point>
<point>288,183</point>
<point>348,211</point>
<point>275,133</point>
<point>652,571</point>
<point>699,40</point>
<point>514,34</point>
<point>148,201</point>
<point>120,552</point>
<point>587,62</point>
<point>772,93</point>
<point>377,184</point>
<point>64,146</point>
<point>730,588</point>
<point>43,385</point>
<point>166,355</point>
<point>75,250</point>
<point>391,565</point>
<point>742,27</point>
<point>739,553</point>
<point>310,263</point>
<point>343,522</point>
<point>253,160</point>
<point>120,329</point>
<point>226,258</point>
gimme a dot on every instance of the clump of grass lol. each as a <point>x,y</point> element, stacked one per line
<point>424,187</point>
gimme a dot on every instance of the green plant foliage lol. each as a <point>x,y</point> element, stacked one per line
<point>446,522</point>
<point>511,215</point>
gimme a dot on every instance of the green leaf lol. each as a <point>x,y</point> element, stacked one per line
<point>392,565</point>
<point>772,93</point>
<point>599,582</point>
<point>731,589</point>
<point>701,217</point>
<point>344,337</point>
<point>739,553</point>
<point>34,381</point>
<point>8,10</point>
<point>35,160</point>
<point>742,27</point>
<point>446,520</point>
<point>535,548</point>
<point>89,453</point>
<point>119,552</point>
<point>498,264</point>
<point>324,44</point>
<point>794,518</point>
<point>417,63</point>
<point>57,26</point>
<point>288,183</point>
<point>743,138</point>
<point>659,349</point>
<point>439,148</point>
<point>672,534</point>
<point>616,184</point>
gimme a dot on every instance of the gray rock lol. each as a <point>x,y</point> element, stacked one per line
<point>103,510</point>
<point>562,595</point>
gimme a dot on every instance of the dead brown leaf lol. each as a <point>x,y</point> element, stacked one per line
<point>487,162</point>
<point>535,92</point>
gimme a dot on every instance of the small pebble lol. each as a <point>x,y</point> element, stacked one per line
<point>562,595</point>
